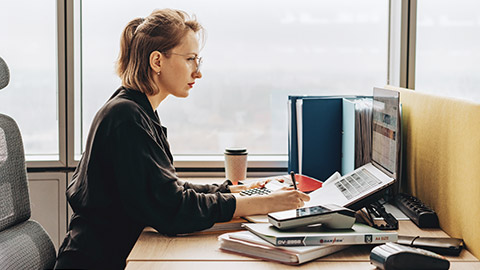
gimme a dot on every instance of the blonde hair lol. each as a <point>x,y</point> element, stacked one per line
<point>160,31</point>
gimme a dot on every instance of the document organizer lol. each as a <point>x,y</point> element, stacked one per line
<point>325,133</point>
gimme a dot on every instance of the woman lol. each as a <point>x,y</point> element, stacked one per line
<point>126,179</point>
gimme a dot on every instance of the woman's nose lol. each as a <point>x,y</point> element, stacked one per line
<point>197,75</point>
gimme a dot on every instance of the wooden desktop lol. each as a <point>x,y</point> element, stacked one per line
<point>201,251</point>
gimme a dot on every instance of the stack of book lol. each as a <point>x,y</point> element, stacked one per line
<point>297,246</point>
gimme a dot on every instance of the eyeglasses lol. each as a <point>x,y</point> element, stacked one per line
<point>198,60</point>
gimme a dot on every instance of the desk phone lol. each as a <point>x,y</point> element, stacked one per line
<point>332,216</point>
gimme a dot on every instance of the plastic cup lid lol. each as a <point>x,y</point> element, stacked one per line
<point>236,150</point>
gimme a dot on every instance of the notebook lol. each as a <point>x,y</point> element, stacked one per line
<point>248,244</point>
<point>368,183</point>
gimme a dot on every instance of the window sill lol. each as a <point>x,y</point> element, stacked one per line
<point>217,161</point>
<point>192,165</point>
<point>213,165</point>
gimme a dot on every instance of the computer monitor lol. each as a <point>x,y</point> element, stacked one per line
<point>386,133</point>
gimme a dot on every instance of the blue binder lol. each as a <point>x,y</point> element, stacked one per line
<point>321,137</point>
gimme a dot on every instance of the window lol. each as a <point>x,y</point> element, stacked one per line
<point>447,54</point>
<point>29,46</point>
<point>256,54</point>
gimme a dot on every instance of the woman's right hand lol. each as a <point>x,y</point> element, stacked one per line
<point>280,200</point>
<point>285,199</point>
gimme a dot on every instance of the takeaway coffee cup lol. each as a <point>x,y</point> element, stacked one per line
<point>236,163</point>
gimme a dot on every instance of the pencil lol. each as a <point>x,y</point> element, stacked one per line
<point>292,176</point>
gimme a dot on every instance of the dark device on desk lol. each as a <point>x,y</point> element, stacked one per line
<point>440,245</point>
<point>392,256</point>
<point>368,183</point>
<point>417,211</point>
<point>332,216</point>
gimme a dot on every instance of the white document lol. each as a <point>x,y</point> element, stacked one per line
<point>316,195</point>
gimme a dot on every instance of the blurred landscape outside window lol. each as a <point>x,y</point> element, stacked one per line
<point>447,50</point>
<point>256,54</point>
<point>28,44</point>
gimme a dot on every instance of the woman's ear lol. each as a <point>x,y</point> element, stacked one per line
<point>156,61</point>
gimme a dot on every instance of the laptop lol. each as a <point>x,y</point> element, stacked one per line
<point>369,182</point>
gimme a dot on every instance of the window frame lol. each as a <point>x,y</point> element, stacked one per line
<point>62,80</point>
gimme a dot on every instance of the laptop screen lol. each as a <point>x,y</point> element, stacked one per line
<point>386,130</point>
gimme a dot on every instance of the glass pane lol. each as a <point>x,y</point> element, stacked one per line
<point>29,46</point>
<point>256,54</point>
<point>447,54</point>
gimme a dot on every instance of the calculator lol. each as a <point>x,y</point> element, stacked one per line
<point>267,189</point>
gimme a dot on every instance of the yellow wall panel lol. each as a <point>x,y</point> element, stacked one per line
<point>442,161</point>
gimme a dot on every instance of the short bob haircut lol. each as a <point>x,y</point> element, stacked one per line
<point>161,31</point>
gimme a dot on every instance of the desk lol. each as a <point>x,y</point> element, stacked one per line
<point>201,251</point>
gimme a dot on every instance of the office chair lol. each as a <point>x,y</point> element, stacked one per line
<point>24,244</point>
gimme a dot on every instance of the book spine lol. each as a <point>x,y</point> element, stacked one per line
<point>292,135</point>
<point>336,240</point>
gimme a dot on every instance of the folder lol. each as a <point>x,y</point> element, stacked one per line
<point>324,133</point>
<point>318,236</point>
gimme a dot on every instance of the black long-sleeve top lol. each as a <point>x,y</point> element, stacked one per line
<point>126,181</point>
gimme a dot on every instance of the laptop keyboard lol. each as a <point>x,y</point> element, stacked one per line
<point>357,183</point>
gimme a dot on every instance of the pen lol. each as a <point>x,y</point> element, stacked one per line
<point>292,176</point>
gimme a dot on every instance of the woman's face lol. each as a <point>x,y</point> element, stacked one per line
<point>179,67</point>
